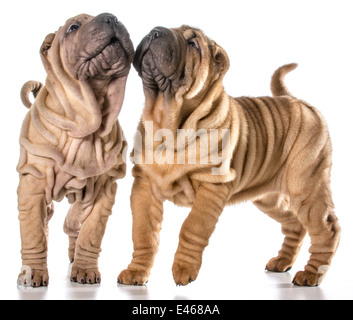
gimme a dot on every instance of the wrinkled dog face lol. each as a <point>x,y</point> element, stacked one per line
<point>170,59</point>
<point>92,47</point>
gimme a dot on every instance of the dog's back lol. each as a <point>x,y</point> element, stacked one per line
<point>281,133</point>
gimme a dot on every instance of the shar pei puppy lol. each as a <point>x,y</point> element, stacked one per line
<point>274,151</point>
<point>72,144</point>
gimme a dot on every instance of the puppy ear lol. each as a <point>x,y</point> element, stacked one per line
<point>45,48</point>
<point>221,59</point>
<point>47,44</point>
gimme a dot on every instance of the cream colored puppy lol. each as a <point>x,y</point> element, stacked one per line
<point>72,143</point>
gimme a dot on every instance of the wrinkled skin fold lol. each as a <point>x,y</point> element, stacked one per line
<point>71,142</point>
<point>278,156</point>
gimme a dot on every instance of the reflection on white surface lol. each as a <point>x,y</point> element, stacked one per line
<point>268,289</point>
<point>246,285</point>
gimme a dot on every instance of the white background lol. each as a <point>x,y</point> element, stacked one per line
<point>259,36</point>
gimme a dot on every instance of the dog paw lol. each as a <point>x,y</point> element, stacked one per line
<point>133,277</point>
<point>279,264</point>
<point>34,278</point>
<point>83,276</point>
<point>184,273</point>
<point>305,278</point>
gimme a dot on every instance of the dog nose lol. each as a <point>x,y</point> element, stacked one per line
<point>108,18</point>
<point>156,33</point>
<point>111,19</point>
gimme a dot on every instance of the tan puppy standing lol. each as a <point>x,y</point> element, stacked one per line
<point>72,144</point>
<point>277,154</point>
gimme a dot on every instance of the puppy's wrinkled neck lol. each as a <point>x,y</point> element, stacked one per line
<point>176,111</point>
<point>99,87</point>
<point>70,105</point>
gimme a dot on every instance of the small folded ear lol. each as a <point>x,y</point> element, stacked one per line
<point>221,59</point>
<point>46,45</point>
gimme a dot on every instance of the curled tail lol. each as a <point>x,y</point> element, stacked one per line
<point>278,87</point>
<point>30,86</point>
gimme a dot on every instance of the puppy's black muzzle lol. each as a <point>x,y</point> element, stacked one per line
<point>158,36</point>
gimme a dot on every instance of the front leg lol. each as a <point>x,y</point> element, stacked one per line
<point>147,213</point>
<point>196,231</point>
<point>34,214</point>
<point>88,245</point>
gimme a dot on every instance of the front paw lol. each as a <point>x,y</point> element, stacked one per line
<point>308,279</point>
<point>32,277</point>
<point>83,276</point>
<point>133,277</point>
<point>279,264</point>
<point>184,273</point>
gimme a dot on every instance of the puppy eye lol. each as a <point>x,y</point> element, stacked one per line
<point>193,44</point>
<point>72,28</point>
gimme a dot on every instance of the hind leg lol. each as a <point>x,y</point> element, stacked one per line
<point>317,216</point>
<point>276,206</point>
